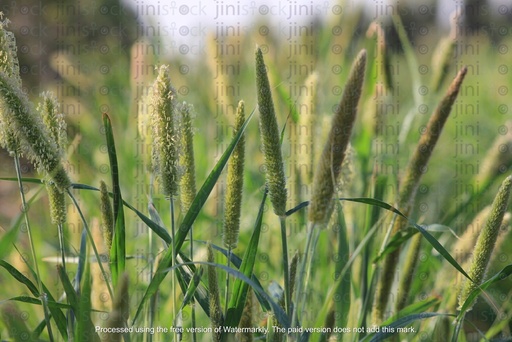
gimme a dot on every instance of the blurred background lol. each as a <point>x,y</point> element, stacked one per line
<point>101,57</point>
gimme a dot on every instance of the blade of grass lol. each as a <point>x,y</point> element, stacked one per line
<point>432,240</point>
<point>59,317</point>
<point>190,217</point>
<point>240,288</point>
<point>276,308</point>
<point>118,252</point>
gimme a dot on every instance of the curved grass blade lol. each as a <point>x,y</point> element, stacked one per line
<point>432,240</point>
<point>236,261</point>
<point>85,328</point>
<point>192,286</point>
<point>118,252</point>
<point>159,230</point>
<point>504,273</point>
<point>190,217</point>
<point>20,277</point>
<point>35,301</point>
<point>71,294</point>
<point>276,308</point>
<point>396,241</point>
<point>59,317</point>
<point>240,288</point>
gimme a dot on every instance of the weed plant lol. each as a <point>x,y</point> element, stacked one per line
<point>179,243</point>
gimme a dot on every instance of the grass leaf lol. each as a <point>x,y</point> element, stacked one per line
<point>189,219</point>
<point>118,252</point>
<point>240,288</point>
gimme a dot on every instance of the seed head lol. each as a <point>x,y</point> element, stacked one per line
<point>216,316</point>
<point>31,132</point>
<point>235,184</point>
<point>188,178</point>
<point>165,132</point>
<point>49,109</point>
<point>10,66</point>
<point>107,216</point>
<point>487,240</point>
<point>329,167</point>
<point>270,139</point>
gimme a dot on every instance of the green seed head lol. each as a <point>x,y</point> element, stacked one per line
<point>216,316</point>
<point>235,182</point>
<point>188,178</point>
<point>107,216</point>
<point>53,120</point>
<point>165,132</point>
<point>487,240</point>
<point>419,161</point>
<point>31,132</point>
<point>10,66</point>
<point>270,139</point>
<point>330,163</point>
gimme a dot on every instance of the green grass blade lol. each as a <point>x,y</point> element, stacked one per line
<point>85,329</point>
<point>236,261</point>
<point>159,230</point>
<point>504,273</point>
<point>206,189</point>
<point>118,252</point>
<point>413,309</point>
<point>59,317</point>
<point>432,240</point>
<point>20,277</point>
<point>192,286</point>
<point>240,288</point>
<point>275,307</point>
<point>35,301</point>
<point>396,241</point>
<point>69,290</point>
<point>190,217</point>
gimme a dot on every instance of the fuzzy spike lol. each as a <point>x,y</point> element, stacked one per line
<point>270,139</point>
<point>165,132</point>
<point>107,216</point>
<point>486,241</point>
<point>329,168</point>
<point>188,179</point>
<point>216,316</point>
<point>235,182</point>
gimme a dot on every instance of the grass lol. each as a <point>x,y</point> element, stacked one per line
<point>167,273</point>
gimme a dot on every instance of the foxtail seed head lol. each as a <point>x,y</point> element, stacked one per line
<point>486,241</point>
<point>235,184</point>
<point>30,131</point>
<point>419,161</point>
<point>270,139</point>
<point>165,132</point>
<point>329,167</point>
<point>10,66</point>
<point>216,316</point>
<point>107,216</point>
<point>53,120</point>
<point>188,178</point>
